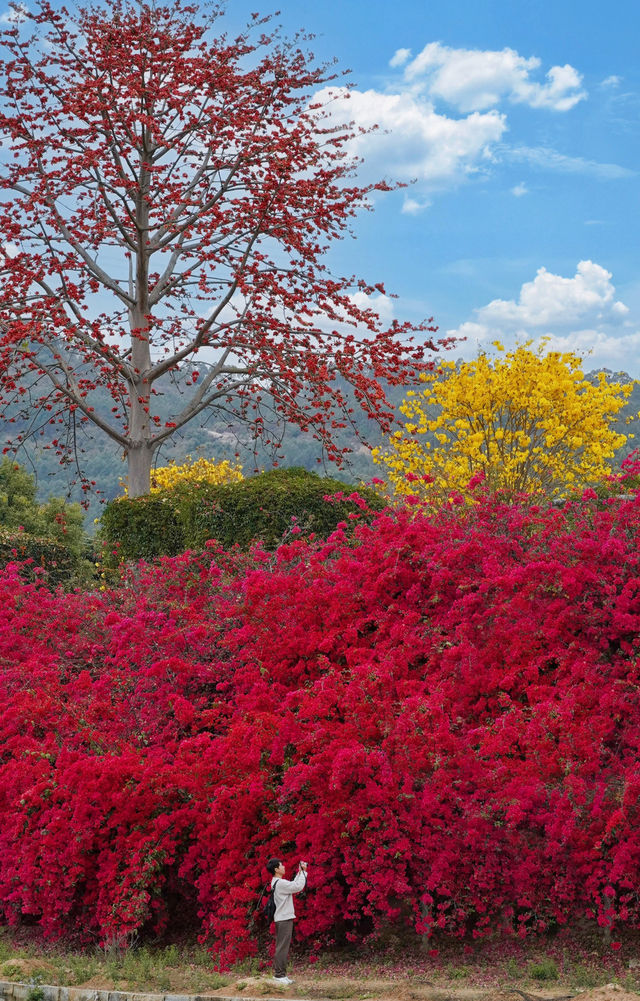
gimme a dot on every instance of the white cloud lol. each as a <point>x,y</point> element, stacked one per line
<point>407,136</point>
<point>15,15</point>
<point>611,81</point>
<point>379,303</point>
<point>411,206</point>
<point>382,305</point>
<point>550,159</point>
<point>602,349</point>
<point>579,314</point>
<point>551,300</point>
<point>400,57</point>
<point>411,140</point>
<point>474,80</point>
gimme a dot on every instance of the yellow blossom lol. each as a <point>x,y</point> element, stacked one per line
<point>193,471</point>
<point>198,471</point>
<point>529,420</point>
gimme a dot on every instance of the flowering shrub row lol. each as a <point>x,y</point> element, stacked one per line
<point>442,714</point>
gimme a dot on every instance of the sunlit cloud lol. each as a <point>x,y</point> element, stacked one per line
<point>400,57</point>
<point>474,80</point>
<point>409,140</point>
<point>580,314</point>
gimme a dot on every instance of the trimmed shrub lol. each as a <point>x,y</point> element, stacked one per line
<point>141,528</point>
<point>268,506</point>
<point>264,508</point>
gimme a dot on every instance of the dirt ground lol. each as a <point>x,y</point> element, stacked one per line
<point>323,987</point>
<point>410,990</point>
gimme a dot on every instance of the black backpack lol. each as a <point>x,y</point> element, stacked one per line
<point>269,906</point>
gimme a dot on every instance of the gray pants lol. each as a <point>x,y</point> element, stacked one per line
<point>284,930</point>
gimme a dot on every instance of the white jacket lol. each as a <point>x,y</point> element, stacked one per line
<point>283,894</point>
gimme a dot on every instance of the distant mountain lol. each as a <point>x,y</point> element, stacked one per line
<point>219,439</point>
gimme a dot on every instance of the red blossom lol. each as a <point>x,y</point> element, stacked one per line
<point>441,713</point>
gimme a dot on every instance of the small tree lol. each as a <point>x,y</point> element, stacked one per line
<point>528,422</point>
<point>166,207</point>
<point>20,511</point>
<point>18,507</point>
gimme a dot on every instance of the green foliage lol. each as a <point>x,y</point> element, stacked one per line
<point>11,971</point>
<point>457,972</point>
<point>48,560</point>
<point>264,507</point>
<point>64,523</point>
<point>581,975</point>
<point>513,969</point>
<point>78,967</point>
<point>18,508</point>
<point>545,969</point>
<point>141,528</point>
<point>51,535</point>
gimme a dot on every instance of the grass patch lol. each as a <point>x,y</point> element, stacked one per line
<point>164,970</point>
<point>631,982</point>
<point>249,967</point>
<point>346,990</point>
<point>581,975</point>
<point>450,971</point>
<point>73,969</point>
<point>543,970</point>
<point>6,952</point>
<point>456,972</point>
<point>513,969</point>
<point>11,971</point>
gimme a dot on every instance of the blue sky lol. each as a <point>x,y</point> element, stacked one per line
<point>518,125</point>
<point>519,122</point>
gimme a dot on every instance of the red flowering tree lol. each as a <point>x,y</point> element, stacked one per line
<point>168,196</point>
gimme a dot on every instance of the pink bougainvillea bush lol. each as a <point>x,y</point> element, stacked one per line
<point>442,714</point>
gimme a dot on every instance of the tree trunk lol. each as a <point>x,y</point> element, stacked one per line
<point>139,459</point>
<point>140,452</point>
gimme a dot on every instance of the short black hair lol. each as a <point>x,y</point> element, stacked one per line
<point>272,865</point>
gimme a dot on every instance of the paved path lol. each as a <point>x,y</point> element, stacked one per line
<point>10,991</point>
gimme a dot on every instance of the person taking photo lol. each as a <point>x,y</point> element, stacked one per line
<point>283,891</point>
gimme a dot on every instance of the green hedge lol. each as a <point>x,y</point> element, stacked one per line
<point>40,559</point>
<point>260,508</point>
<point>141,528</point>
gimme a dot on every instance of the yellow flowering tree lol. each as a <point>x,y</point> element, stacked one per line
<point>527,421</point>
<point>198,471</point>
